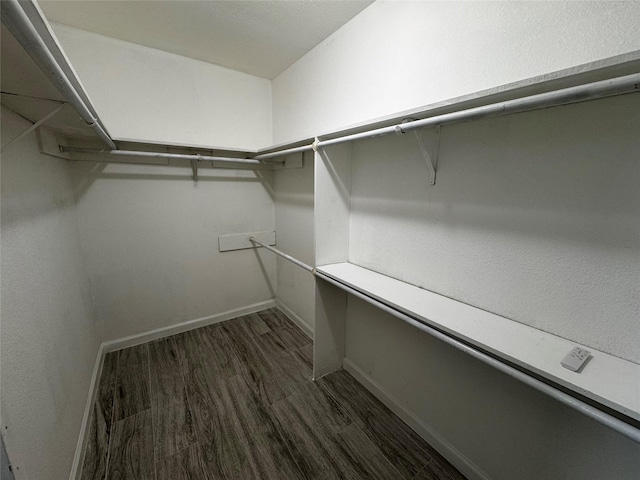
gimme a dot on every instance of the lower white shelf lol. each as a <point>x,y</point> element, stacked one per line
<point>606,379</point>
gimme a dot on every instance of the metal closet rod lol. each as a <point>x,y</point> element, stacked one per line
<point>14,17</point>
<point>590,411</point>
<point>308,268</point>
<point>18,23</point>
<point>579,93</point>
<point>180,156</point>
<point>288,151</point>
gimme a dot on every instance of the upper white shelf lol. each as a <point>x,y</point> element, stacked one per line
<point>606,379</point>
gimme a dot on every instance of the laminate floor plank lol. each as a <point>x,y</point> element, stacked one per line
<point>274,319</point>
<point>263,376</point>
<point>94,465</point>
<point>431,473</point>
<point>322,409</point>
<point>171,415</point>
<point>256,324</point>
<point>186,464</point>
<point>441,464</point>
<point>267,452</point>
<point>312,447</point>
<point>305,355</point>
<point>367,458</point>
<point>289,334</point>
<point>210,347</point>
<point>407,452</point>
<point>221,357</point>
<point>105,398</point>
<point>439,469</point>
<point>324,441</point>
<point>290,371</point>
<point>235,400</point>
<point>271,346</point>
<point>132,384</point>
<point>292,337</point>
<point>131,452</point>
<point>311,423</point>
<point>223,441</point>
<point>246,326</point>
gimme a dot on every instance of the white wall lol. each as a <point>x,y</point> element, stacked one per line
<point>505,429</point>
<point>540,225</point>
<point>149,238</point>
<point>399,55</point>
<point>534,216</point>
<point>49,338</point>
<point>148,95</point>
<point>294,229</point>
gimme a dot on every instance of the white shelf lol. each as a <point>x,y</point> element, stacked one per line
<point>608,380</point>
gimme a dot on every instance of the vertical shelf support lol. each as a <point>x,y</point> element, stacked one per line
<point>332,177</point>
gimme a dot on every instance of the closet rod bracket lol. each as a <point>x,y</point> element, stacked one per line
<point>430,154</point>
<point>194,168</point>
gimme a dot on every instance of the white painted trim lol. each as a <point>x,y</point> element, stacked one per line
<point>460,461</point>
<point>608,380</point>
<point>81,446</point>
<point>297,319</point>
<point>144,337</point>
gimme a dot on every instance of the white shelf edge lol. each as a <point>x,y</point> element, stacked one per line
<point>609,67</point>
<point>605,68</point>
<point>606,379</point>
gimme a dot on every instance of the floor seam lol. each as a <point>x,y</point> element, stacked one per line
<point>153,424</point>
<point>186,394</point>
<point>113,414</point>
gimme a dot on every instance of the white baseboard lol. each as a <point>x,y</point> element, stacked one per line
<point>297,319</point>
<point>144,337</point>
<point>84,427</point>
<point>461,462</point>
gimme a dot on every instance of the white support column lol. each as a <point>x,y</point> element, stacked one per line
<point>333,202</point>
<point>329,334</point>
<point>332,207</point>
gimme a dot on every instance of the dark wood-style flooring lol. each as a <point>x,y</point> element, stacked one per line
<point>235,400</point>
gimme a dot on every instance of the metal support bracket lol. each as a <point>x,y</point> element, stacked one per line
<point>430,154</point>
<point>194,168</point>
<point>49,143</point>
<point>430,158</point>
<point>294,160</point>
<point>33,127</point>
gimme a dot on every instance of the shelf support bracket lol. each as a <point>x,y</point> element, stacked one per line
<point>194,169</point>
<point>34,126</point>
<point>430,154</point>
<point>430,160</point>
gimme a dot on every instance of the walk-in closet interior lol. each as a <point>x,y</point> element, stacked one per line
<point>319,239</point>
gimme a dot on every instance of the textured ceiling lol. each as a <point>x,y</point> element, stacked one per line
<point>257,37</point>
